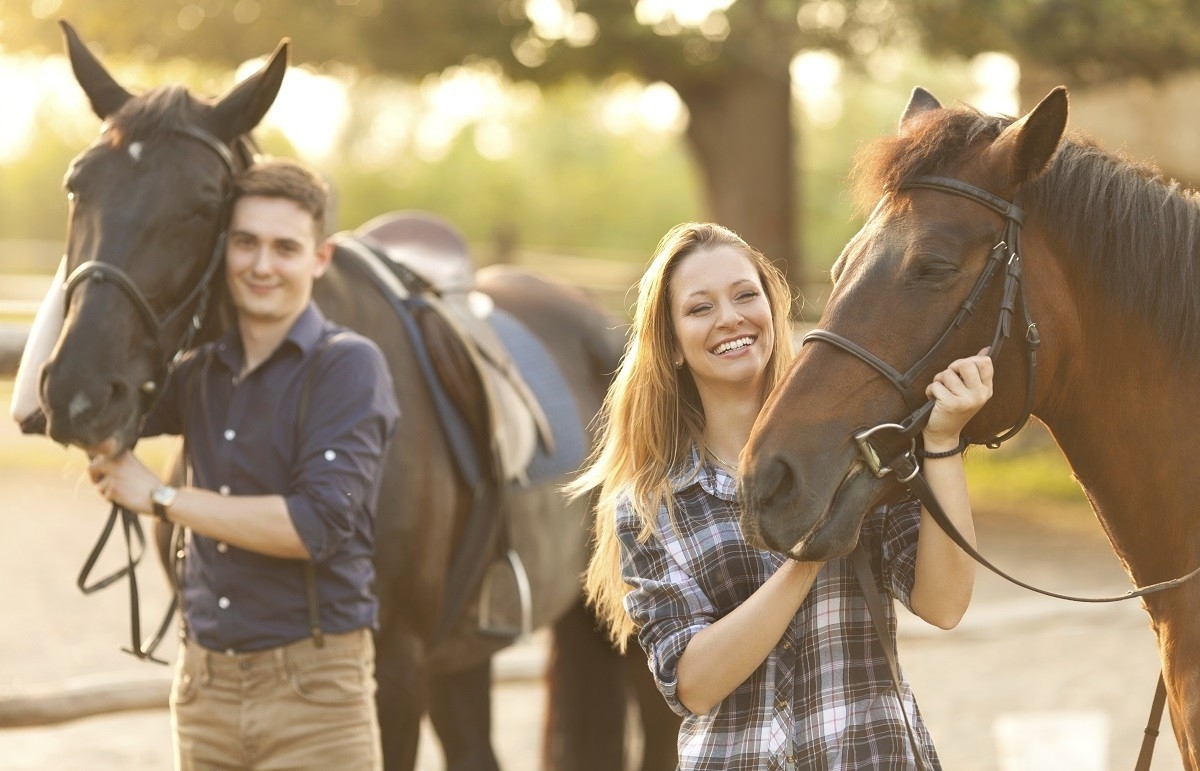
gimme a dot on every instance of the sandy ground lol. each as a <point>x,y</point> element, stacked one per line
<point>1072,683</point>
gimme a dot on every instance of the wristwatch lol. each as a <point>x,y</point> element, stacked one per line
<point>162,498</point>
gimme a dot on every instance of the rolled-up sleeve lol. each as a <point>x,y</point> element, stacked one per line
<point>666,602</point>
<point>351,415</point>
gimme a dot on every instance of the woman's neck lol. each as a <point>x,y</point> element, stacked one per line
<point>727,423</point>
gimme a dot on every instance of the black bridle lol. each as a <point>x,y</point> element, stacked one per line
<point>1004,254</point>
<point>903,462</point>
<point>169,351</point>
<point>196,300</point>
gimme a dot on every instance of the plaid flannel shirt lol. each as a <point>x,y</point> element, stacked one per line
<point>823,698</point>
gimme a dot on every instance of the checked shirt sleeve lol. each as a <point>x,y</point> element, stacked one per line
<point>901,525</point>
<point>666,603</point>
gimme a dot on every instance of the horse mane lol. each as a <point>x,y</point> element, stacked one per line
<point>1134,230</point>
<point>159,110</point>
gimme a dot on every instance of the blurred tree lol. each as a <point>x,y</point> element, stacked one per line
<point>729,62</point>
<point>1088,41</point>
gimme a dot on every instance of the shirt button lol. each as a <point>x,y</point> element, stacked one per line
<point>223,489</point>
<point>330,455</point>
<point>223,603</point>
<point>230,652</point>
<point>222,547</point>
<point>230,434</point>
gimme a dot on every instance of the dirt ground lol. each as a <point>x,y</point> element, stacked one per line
<point>1068,684</point>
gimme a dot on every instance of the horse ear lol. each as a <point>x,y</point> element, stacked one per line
<point>105,94</point>
<point>920,102</point>
<point>1030,142</point>
<point>239,111</point>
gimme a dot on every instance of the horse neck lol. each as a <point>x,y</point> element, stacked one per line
<point>1127,416</point>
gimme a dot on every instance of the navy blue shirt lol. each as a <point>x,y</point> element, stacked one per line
<point>243,439</point>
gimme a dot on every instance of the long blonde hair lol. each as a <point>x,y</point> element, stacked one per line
<point>652,413</point>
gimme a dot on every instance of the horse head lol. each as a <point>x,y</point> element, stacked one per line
<point>899,291</point>
<point>148,203</point>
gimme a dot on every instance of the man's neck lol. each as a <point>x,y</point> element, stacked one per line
<point>260,339</point>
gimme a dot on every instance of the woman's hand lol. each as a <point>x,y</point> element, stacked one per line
<point>959,392</point>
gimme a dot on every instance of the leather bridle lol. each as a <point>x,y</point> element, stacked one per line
<point>902,460</point>
<point>1006,255</point>
<point>169,352</point>
<point>196,300</point>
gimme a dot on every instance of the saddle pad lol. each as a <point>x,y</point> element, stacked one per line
<point>552,392</point>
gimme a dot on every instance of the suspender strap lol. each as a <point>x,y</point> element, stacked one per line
<point>310,571</point>
<point>866,579</point>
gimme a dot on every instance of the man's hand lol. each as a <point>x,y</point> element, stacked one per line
<point>124,480</point>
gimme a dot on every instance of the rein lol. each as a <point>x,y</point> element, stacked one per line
<point>903,457</point>
<point>197,299</point>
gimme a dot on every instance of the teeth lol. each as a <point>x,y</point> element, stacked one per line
<point>741,342</point>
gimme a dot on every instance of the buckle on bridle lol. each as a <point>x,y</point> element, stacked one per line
<point>871,456</point>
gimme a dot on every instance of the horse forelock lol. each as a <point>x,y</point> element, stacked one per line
<point>927,144</point>
<point>1134,234</point>
<point>151,114</point>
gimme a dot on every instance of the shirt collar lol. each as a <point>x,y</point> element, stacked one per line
<point>303,336</point>
<point>697,469</point>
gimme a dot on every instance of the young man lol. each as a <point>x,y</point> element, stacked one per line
<point>277,665</point>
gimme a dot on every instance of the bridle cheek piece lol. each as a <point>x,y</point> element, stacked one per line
<point>904,462</point>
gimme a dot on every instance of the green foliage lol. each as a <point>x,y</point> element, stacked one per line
<point>1087,40</point>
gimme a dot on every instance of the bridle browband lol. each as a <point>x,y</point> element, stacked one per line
<point>196,299</point>
<point>1006,253</point>
<point>168,352</point>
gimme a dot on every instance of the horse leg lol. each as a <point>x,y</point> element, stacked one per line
<point>660,726</point>
<point>402,695</point>
<point>460,708</point>
<point>586,703</point>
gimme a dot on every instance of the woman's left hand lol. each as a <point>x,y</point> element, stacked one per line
<point>959,392</point>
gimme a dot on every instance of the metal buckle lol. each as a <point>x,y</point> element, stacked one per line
<point>872,457</point>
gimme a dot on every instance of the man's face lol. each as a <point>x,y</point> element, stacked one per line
<point>271,259</point>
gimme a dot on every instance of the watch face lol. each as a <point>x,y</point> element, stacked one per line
<point>164,495</point>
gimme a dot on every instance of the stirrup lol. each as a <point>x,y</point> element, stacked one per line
<point>524,596</point>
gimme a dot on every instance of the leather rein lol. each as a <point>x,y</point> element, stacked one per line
<point>896,443</point>
<point>168,352</point>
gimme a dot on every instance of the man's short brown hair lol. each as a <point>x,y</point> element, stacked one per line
<point>283,178</point>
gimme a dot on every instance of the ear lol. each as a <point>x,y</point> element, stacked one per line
<point>920,102</point>
<point>102,91</point>
<point>1027,145</point>
<point>239,111</point>
<point>324,257</point>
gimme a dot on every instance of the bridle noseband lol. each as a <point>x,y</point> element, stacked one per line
<point>1006,254</point>
<point>196,300</point>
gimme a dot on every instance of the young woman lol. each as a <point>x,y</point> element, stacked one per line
<point>772,663</point>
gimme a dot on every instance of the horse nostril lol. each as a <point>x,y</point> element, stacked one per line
<point>774,484</point>
<point>117,391</point>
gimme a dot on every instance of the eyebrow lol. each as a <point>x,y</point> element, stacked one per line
<point>705,292</point>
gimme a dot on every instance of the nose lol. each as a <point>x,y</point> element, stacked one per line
<point>73,411</point>
<point>730,315</point>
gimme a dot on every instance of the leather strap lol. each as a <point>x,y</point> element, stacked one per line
<point>870,590</point>
<point>1151,732</point>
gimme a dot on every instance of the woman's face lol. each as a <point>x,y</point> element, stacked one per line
<point>722,318</point>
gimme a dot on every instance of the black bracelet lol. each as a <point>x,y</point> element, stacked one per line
<point>962,445</point>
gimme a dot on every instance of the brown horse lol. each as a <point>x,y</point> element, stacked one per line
<point>149,199</point>
<point>1110,259</point>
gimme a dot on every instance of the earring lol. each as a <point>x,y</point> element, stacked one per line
<point>679,364</point>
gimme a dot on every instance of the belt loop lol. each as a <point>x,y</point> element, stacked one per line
<point>205,665</point>
<point>282,661</point>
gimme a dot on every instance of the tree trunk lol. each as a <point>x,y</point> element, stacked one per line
<point>741,134</point>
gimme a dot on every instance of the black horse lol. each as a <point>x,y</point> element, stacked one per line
<point>148,200</point>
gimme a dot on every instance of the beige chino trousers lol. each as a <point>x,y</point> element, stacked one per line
<point>293,707</point>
